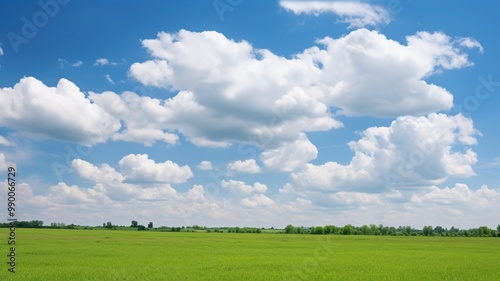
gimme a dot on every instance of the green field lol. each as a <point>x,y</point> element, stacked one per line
<point>45,254</point>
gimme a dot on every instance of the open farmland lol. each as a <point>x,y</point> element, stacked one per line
<point>45,254</point>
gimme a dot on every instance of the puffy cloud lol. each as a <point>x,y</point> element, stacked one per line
<point>102,174</point>
<point>357,14</point>
<point>242,188</point>
<point>458,205</point>
<point>62,112</point>
<point>257,201</point>
<point>72,194</point>
<point>140,178</point>
<point>138,167</point>
<point>205,165</point>
<point>103,61</point>
<point>113,184</point>
<point>412,151</point>
<point>290,157</point>
<point>482,198</point>
<point>248,166</point>
<point>365,73</point>
<point>145,119</point>
<point>230,91</point>
<point>146,136</point>
<point>1,50</point>
<point>255,96</point>
<point>437,50</point>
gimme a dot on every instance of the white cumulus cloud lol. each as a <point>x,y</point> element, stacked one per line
<point>290,157</point>
<point>205,165</point>
<point>248,166</point>
<point>412,151</point>
<point>102,174</point>
<point>138,167</point>
<point>242,188</point>
<point>61,112</point>
<point>257,201</point>
<point>355,13</point>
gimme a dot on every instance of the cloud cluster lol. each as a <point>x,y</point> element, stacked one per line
<point>242,94</point>
<point>411,152</point>
<point>459,205</point>
<point>228,92</point>
<point>236,93</point>
<point>144,118</point>
<point>137,168</point>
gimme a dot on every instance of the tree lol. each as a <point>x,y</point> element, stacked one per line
<point>427,230</point>
<point>406,230</point>
<point>133,224</point>
<point>109,225</point>
<point>150,225</point>
<point>385,230</point>
<point>348,230</point>
<point>439,229</point>
<point>289,229</point>
<point>141,227</point>
<point>365,230</point>
<point>484,231</point>
<point>317,230</point>
<point>392,230</point>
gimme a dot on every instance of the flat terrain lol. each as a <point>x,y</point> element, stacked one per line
<point>45,254</point>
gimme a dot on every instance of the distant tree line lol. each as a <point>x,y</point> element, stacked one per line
<point>348,229</point>
<point>243,230</point>
<point>25,224</point>
<point>373,229</point>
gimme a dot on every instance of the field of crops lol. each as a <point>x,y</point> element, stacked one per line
<point>45,254</point>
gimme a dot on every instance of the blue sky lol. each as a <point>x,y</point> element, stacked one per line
<point>251,113</point>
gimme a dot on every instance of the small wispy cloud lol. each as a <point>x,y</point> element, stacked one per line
<point>1,52</point>
<point>63,62</point>
<point>356,14</point>
<point>109,79</point>
<point>470,43</point>
<point>77,64</point>
<point>5,142</point>
<point>103,61</point>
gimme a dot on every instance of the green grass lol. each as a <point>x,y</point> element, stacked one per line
<point>44,254</point>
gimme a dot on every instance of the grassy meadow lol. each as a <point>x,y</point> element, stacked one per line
<point>61,254</point>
